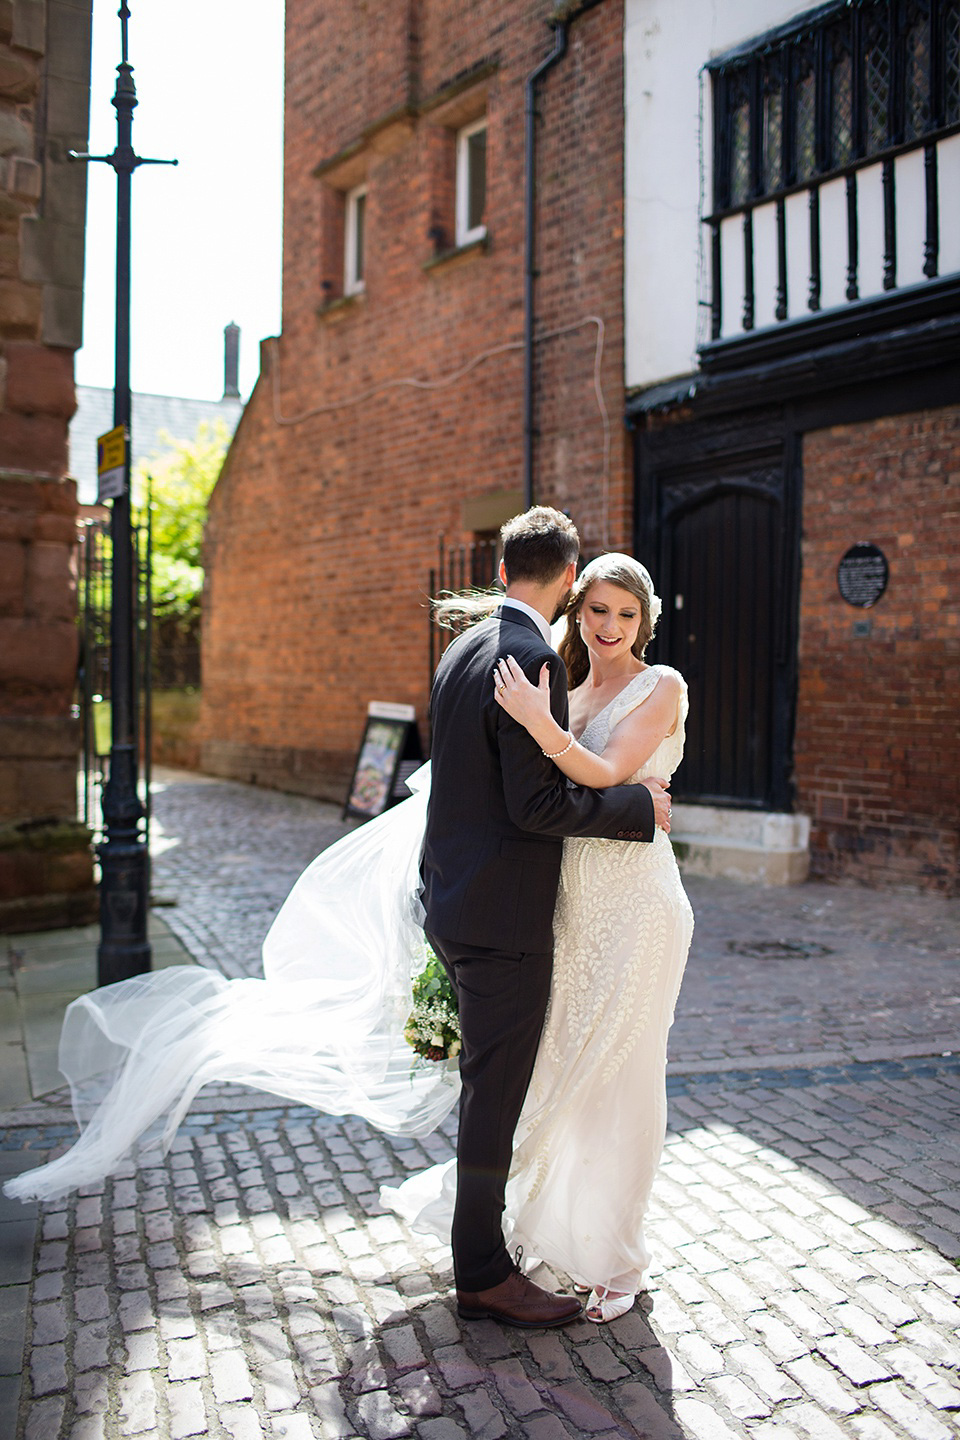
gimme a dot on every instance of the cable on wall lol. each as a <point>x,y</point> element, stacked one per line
<point>414,383</point>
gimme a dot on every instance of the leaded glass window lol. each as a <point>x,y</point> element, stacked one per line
<point>951,48</point>
<point>832,89</point>
<point>877,86</point>
<point>848,87</point>
<point>916,109</point>
<point>841,108</point>
<point>740,153</point>
<point>805,123</point>
<point>772,134</point>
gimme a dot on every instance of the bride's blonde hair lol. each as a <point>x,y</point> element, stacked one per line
<point>459,609</point>
<point>628,574</point>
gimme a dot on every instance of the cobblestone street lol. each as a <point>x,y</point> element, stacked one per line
<point>805,1222</point>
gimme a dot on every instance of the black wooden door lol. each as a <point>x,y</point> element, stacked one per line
<point>717,505</point>
<point>720,574</point>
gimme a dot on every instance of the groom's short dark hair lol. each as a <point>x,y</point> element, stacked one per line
<point>538,545</point>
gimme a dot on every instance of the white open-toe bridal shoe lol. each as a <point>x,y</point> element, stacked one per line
<point>606,1305</point>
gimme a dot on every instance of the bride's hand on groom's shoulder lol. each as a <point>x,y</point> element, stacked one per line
<point>662,806</point>
<point>528,704</point>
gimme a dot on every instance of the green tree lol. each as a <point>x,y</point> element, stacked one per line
<point>178,483</point>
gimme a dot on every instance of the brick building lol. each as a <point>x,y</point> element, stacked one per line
<point>792,324</point>
<point>761,226</point>
<point>391,409</point>
<point>45,858</point>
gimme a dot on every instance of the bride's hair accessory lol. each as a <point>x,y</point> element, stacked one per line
<point>555,754</point>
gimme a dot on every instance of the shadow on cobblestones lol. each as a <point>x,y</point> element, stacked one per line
<point>805,1222</point>
<point>251,1284</point>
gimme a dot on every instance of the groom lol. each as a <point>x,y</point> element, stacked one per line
<point>499,810</point>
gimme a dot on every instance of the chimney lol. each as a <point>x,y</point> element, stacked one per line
<point>231,361</point>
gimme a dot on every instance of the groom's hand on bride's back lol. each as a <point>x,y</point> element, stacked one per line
<point>661,801</point>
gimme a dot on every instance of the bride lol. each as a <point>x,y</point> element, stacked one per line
<point>324,1027</point>
<point>591,1131</point>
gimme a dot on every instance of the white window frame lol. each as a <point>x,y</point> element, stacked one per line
<point>353,283</point>
<point>466,236</point>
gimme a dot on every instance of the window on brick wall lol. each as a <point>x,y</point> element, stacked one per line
<point>471,184</point>
<point>354,240</point>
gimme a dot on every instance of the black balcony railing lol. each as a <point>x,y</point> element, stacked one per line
<point>833,147</point>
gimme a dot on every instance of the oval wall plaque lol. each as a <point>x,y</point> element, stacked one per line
<point>862,575</point>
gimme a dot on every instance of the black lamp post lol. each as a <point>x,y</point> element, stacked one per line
<point>124,949</point>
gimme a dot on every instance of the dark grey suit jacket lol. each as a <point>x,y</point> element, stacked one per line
<point>498,808</point>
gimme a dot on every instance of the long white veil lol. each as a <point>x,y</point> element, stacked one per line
<point>324,1027</point>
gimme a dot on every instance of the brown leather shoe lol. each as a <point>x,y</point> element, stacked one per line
<point>518,1301</point>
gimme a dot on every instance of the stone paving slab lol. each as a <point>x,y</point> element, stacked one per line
<point>44,971</point>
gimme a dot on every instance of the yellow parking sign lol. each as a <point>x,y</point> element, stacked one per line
<point>111,463</point>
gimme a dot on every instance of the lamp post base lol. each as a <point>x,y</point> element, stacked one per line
<point>124,950</point>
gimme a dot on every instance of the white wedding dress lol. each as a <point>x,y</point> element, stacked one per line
<point>590,1136</point>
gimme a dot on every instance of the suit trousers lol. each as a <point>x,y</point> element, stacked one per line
<point>502,1000</point>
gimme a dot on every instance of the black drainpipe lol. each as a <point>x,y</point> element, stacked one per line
<point>559,48</point>
<point>569,11</point>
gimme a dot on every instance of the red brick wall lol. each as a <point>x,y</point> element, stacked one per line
<point>322,532</point>
<point>878,742</point>
<point>46,872</point>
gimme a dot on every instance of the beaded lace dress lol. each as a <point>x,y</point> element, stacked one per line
<point>591,1133</point>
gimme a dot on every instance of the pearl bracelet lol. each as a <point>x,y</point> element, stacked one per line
<point>555,754</point>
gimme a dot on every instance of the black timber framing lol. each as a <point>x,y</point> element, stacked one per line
<point>829,95</point>
<point>705,424</point>
<point>910,321</point>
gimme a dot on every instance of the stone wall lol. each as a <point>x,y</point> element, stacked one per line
<point>878,743</point>
<point>175,716</point>
<point>324,523</point>
<point>45,858</point>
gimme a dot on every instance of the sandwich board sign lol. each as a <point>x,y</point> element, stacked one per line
<point>111,463</point>
<point>389,753</point>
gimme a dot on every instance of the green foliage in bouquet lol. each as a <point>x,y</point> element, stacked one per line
<point>433,1028</point>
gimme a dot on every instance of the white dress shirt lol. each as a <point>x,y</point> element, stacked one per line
<point>535,615</point>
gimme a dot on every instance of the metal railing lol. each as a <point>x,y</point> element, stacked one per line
<point>471,566</point>
<point>95,567</point>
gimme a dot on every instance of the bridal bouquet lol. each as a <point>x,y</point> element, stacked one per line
<point>433,1028</point>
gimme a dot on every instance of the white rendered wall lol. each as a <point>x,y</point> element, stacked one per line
<point>666,44</point>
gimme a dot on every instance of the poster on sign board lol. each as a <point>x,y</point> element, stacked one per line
<point>389,752</point>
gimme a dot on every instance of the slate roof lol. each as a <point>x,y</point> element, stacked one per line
<point>154,417</point>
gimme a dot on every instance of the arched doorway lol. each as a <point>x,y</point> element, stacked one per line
<point>719,529</point>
